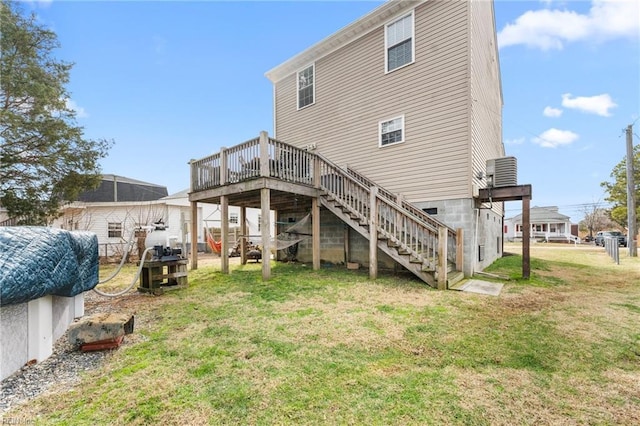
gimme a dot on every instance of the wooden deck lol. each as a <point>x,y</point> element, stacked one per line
<point>270,175</point>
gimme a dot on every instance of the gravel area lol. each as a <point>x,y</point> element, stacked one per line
<point>64,368</point>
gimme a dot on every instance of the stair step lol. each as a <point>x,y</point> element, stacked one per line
<point>453,278</point>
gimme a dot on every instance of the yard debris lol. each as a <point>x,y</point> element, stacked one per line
<point>100,331</point>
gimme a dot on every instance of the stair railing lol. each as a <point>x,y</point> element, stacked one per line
<point>414,210</point>
<point>407,227</point>
<point>401,227</point>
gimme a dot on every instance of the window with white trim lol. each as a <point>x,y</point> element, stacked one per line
<point>398,38</point>
<point>306,86</point>
<point>114,230</point>
<point>233,217</point>
<point>392,131</point>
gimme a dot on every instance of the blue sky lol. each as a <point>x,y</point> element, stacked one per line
<point>171,81</point>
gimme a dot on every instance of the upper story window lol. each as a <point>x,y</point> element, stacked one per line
<point>392,131</point>
<point>306,86</point>
<point>233,217</point>
<point>399,42</point>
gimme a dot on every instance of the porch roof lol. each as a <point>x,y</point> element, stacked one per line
<point>543,215</point>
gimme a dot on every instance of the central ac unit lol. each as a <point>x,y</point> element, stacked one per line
<point>502,171</point>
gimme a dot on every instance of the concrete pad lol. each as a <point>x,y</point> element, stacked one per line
<point>481,287</point>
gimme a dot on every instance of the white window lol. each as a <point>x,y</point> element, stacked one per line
<point>399,42</point>
<point>259,222</point>
<point>392,131</point>
<point>233,217</point>
<point>306,86</point>
<point>114,230</point>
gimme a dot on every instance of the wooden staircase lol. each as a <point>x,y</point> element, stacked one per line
<point>403,231</point>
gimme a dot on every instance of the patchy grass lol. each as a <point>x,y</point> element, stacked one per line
<point>333,347</point>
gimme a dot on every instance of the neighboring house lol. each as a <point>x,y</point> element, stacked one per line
<point>115,188</point>
<point>119,205</point>
<point>547,224</point>
<point>409,96</point>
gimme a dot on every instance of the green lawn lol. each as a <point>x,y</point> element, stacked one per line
<point>333,347</point>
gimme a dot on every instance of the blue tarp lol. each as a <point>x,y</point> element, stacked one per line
<point>39,261</point>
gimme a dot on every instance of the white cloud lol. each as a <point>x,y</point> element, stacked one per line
<point>552,112</point>
<point>554,138</point>
<point>72,105</point>
<point>552,28</point>
<point>518,141</point>
<point>599,104</point>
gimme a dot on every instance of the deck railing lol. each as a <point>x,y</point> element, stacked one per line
<point>410,229</point>
<point>259,157</point>
<point>419,213</point>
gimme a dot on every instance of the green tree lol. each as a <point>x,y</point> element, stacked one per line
<point>45,160</point>
<point>617,190</point>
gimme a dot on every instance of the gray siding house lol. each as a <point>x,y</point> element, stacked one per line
<point>410,97</point>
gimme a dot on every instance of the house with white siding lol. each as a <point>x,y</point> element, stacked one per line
<point>402,107</point>
<point>547,224</point>
<point>120,205</point>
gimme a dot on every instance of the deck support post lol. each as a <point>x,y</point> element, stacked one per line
<point>244,239</point>
<point>265,228</point>
<point>373,232</point>
<point>315,232</point>
<point>526,238</point>
<point>224,234</point>
<point>443,237</point>
<point>194,235</point>
<point>459,249</point>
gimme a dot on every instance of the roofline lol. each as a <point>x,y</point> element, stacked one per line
<point>342,37</point>
<point>84,204</point>
<point>123,179</point>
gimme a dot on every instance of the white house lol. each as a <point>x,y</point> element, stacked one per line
<point>547,224</point>
<point>120,205</point>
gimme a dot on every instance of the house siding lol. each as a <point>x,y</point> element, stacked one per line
<point>486,104</point>
<point>432,94</point>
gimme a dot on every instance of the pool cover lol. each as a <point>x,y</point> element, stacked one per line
<point>39,261</point>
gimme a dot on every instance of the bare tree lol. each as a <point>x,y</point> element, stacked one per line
<point>596,218</point>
